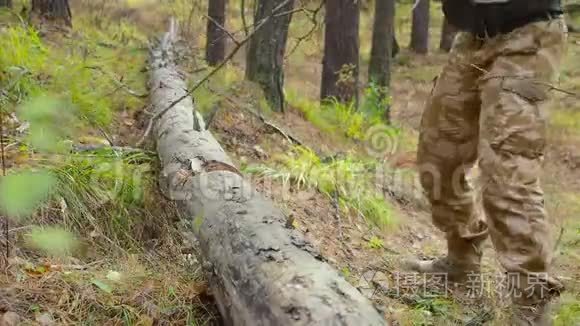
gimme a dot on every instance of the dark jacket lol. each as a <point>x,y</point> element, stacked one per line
<point>487,17</point>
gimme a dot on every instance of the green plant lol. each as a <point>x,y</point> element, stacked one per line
<point>375,243</point>
<point>335,117</point>
<point>351,179</point>
<point>568,312</point>
<point>377,101</point>
<point>87,184</point>
<point>22,57</point>
<point>23,192</point>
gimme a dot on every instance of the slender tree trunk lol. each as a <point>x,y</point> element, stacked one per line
<point>420,28</point>
<point>215,50</point>
<point>382,47</point>
<point>265,58</point>
<point>6,3</point>
<point>243,15</point>
<point>448,33</point>
<point>54,10</point>
<point>340,65</point>
<point>261,272</point>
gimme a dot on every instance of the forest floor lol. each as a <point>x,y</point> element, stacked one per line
<point>124,270</point>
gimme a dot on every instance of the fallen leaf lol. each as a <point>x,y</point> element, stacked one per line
<point>102,286</point>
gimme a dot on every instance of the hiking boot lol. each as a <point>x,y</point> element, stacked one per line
<point>455,272</point>
<point>531,315</point>
<point>463,258</point>
<point>532,306</point>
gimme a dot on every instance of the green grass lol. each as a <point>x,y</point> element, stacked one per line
<point>29,67</point>
<point>566,119</point>
<point>349,178</point>
<point>108,193</point>
<point>335,118</point>
<point>567,311</point>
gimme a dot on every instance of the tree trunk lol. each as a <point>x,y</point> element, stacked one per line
<point>340,65</point>
<point>215,50</point>
<point>265,57</point>
<point>448,33</point>
<point>382,48</point>
<point>53,10</point>
<point>261,271</point>
<point>6,3</point>
<point>420,28</point>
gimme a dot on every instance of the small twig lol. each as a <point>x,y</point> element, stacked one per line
<point>118,82</point>
<point>6,221</point>
<point>291,139</point>
<point>337,206</point>
<point>557,244</point>
<point>2,142</point>
<point>21,228</point>
<point>106,135</point>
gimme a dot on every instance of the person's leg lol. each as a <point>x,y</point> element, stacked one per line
<point>447,150</point>
<point>514,95</point>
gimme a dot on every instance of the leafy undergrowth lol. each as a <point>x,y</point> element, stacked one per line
<point>91,240</point>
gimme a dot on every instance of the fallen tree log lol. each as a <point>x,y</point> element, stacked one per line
<point>260,271</point>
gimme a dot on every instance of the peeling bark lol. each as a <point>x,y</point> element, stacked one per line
<point>260,271</point>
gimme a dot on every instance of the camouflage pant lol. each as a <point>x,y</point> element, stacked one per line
<point>489,104</point>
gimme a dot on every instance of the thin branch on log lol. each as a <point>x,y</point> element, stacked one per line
<point>289,137</point>
<point>261,272</point>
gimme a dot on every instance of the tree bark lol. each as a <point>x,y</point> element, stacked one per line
<point>448,33</point>
<point>340,64</point>
<point>382,48</point>
<point>261,271</point>
<point>6,3</point>
<point>265,56</point>
<point>215,50</point>
<point>420,28</point>
<point>53,10</point>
